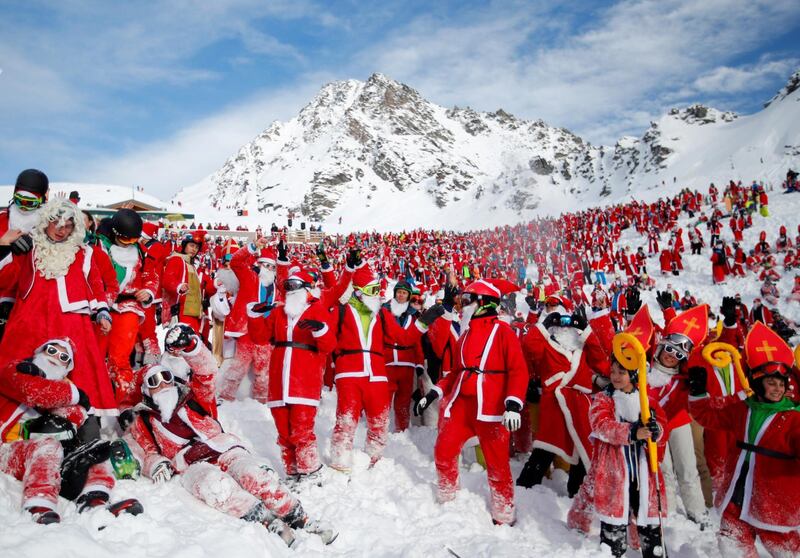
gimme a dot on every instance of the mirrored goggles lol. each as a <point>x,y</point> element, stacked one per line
<point>565,321</point>
<point>27,203</point>
<point>53,351</point>
<point>371,290</point>
<point>294,285</point>
<point>161,377</point>
<point>126,240</point>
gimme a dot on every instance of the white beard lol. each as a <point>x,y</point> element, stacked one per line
<point>22,220</point>
<point>296,303</point>
<point>372,302</point>
<point>627,405</point>
<point>466,315</point>
<point>659,376</point>
<point>567,337</point>
<point>125,256</point>
<point>229,280</point>
<point>51,370</point>
<point>505,318</point>
<point>398,307</point>
<point>316,292</point>
<point>266,277</point>
<point>53,259</point>
<point>166,400</point>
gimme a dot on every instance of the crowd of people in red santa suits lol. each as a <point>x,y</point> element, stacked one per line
<point>393,322</point>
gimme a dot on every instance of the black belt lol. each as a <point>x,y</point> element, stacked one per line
<point>398,347</point>
<point>295,345</point>
<point>357,351</point>
<point>476,370</point>
<point>764,451</point>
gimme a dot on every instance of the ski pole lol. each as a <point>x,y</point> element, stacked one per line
<point>723,354</point>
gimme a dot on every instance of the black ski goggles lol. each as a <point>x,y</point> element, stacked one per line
<point>162,376</point>
<point>291,285</point>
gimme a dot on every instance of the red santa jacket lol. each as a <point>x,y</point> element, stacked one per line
<point>489,365</point>
<point>772,485</point>
<point>135,273</point>
<point>443,338</point>
<point>296,364</point>
<point>176,277</point>
<point>21,393</point>
<point>609,474</point>
<point>241,264</point>
<point>396,353</point>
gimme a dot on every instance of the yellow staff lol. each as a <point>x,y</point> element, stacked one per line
<point>797,356</point>
<point>630,354</point>
<point>723,354</point>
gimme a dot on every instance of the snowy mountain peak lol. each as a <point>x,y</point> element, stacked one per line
<point>792,85</point>
<point>376,153</point>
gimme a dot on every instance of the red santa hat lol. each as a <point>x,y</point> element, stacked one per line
<point>302,275</point>
<point>149,230</point>
<point>364,276</point>
<point>266,256</point>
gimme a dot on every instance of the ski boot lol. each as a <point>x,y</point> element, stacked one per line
<point>282,530</point>
<point>43,515</point>
<point>298,519</point>
<point>96,498</point>
<point>123,462</point>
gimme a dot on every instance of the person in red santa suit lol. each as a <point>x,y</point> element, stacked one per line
<point>759,497</point>
<point>404,363</point>
<point>183,288</point>
<point>301,339</point>
<point>22,213</point>
<point>173,433</point>
<point>665,261</point>
<point>363,327</point>
<point>482,396</point>
<point>255,268</point>
<point>156,252</point>
<point>565,352</point>
<point>137,287</point>
<point>58,292</point>
<point>620,488</point>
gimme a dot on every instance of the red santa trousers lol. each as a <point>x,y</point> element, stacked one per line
<point>37,463</point>
<point>247,354</point>
<point>401,385</point>
<point>236,483</point>
<point>454,431</point>
<point>522,438</point>
<point>715,445</point>
<point>147,334</point>
<point>354,395</point>
<point>737,538</point>
<point>295,424</point>
<point>100,478</point>
<point>121,340</point>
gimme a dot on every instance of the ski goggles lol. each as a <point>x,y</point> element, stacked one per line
<point>126,240</point>
<point>674,351</point>
<point>26,202</point>
<point>370,290</point>
<point>54,351</point>
<point>291,285</point>
<point>565,321</point>
<point>159,377</point>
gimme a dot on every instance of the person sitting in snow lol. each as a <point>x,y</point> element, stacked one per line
<point>760,494</point>
<point>174,433</point>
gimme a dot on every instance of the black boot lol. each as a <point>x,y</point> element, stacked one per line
<point>650,539</point>
<point>76,464</point>
<point>535,469</point>
<point>577,473</point>
<point>614,537</point>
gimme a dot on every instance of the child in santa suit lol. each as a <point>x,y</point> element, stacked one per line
<point>482,396</point>
<point>620,487</point>
<point>759,496</point>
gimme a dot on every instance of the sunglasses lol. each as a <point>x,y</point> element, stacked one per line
<point>126,240</point>
<point>158,378</point>
<point>415,300</point>
<point>677,353</point>
<point>27,203</point>
<point>63,356</point>
<point>294,285</point>
<point>268,266</point>
<point>371,290</point>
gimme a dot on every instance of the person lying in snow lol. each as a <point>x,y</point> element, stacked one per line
<point>46,440</point>
<point>175,433</point>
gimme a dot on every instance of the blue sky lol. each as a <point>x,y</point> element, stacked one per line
<point>159,94</point>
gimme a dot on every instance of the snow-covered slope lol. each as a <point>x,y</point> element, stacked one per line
<point>378,155</point>
<point>93,195</point>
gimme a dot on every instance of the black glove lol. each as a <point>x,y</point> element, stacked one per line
<point>22,245</point>
<point>697,381</point>
<point>653,427</point>
<point>425,402</point>
<point>283,252</point>
<point>532,394</point>
<point>634,300</point>
<point>27,367</point>
<point>419,370</point>
<point>552,319</point>
<point>126,418</point>
<point>179,337</point>
<point>174,310</point>
<point>159,310</point>
<point>531,301</point>
<point>728,310</point>
<point>450,292</point>
<point>664,299</point>
<point>321,255</point>
<point>83,399</point>
<point>579,319</point>
<point>313,325</point>
<point>262,307</point>
<point>431,314</point>
<point>416,395</point>
<point>353,258</point>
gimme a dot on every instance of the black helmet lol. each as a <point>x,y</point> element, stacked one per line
<point>403,285</point>
<point>33,181</point>
<point>126,223</point>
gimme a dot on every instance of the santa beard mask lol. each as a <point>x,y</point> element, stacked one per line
<point>166,400</point>
<point>22,220</point>
<point>466,315</point>
<point>373,303</point>
<point>52,370</point>
<point>296,303</point>
<point>266,277</point>
<point>567,337</point>
<point>659,375</point>
<point>398,308</point>
<point>627,405</point>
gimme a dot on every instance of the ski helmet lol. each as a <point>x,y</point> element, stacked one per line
<point>126,224</point>
<point>403,285</point>
<point>32,181</point>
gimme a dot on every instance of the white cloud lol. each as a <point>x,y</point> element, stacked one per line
<point>726,79</point>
